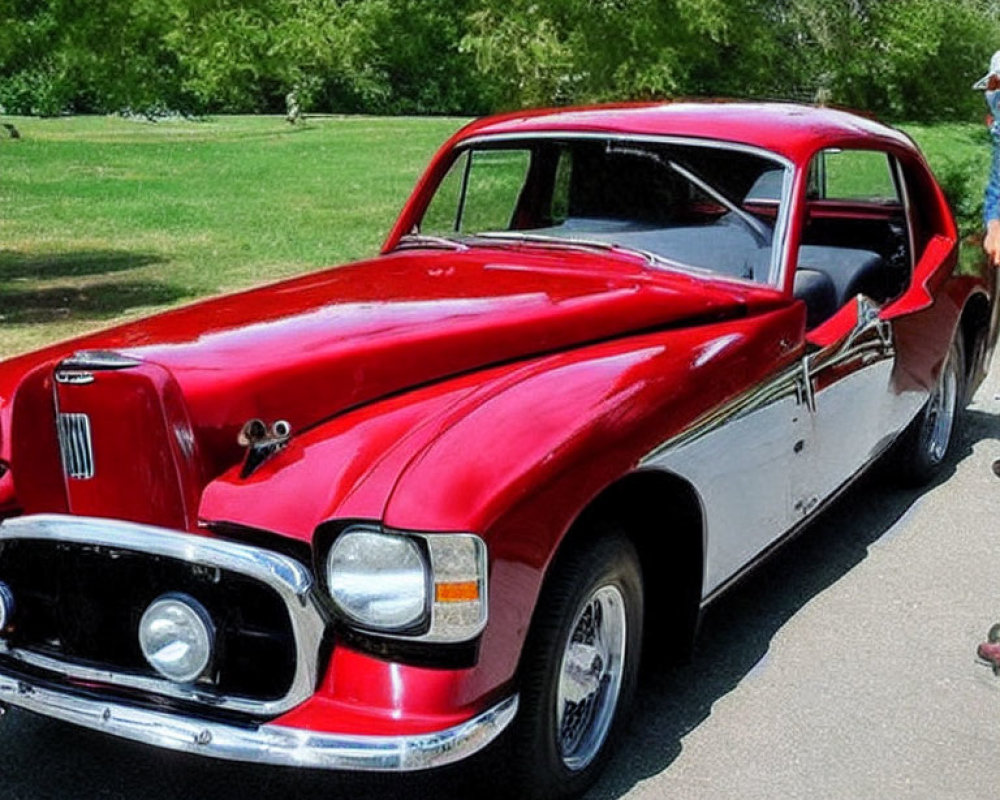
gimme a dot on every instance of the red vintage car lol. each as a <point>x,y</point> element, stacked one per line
<point>374,517</point>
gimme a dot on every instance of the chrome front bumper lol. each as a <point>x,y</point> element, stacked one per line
<point>265,744</point>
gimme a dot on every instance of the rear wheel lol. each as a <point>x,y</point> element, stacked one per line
<point>580,666</point>
<point>928,441</point>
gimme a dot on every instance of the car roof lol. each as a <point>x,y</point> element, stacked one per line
<point>793,130</point>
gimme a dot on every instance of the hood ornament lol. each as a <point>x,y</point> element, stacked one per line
<point>97,360</point>
<point>261,442</point>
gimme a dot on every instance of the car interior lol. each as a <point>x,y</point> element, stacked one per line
<point>701,207</point>
<point>680,203</point>
<point>856,239</point>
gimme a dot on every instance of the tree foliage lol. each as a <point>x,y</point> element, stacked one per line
<point>911,59</point>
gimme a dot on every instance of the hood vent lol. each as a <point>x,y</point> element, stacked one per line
<point>76,446</point>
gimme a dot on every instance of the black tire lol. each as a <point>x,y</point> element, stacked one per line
<point>925,445</point>
<point>593,590</point>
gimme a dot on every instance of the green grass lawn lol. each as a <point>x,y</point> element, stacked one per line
<point>104,218</point>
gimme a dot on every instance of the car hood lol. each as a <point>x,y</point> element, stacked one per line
<point>306,349</point>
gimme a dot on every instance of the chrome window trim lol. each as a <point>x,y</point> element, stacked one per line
<point>904,190</point>
<point>779,245</point>
<point>268,743</point>
<point>290,579</point>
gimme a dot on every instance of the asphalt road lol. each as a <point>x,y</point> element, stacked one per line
<point>844,668</point>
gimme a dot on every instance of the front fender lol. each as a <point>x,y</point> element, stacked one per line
<point>523,465</point>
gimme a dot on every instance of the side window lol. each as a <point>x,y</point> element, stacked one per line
<point>859,175</point>
<point>561,186</point>
<point>441,216</point>
<point>857,238</point>
<point>479,193</point>
<point>494,185</point>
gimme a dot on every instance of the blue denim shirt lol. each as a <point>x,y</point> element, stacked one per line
<point>991,201</point>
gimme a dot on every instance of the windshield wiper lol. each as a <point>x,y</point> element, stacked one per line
<point>427,240</point>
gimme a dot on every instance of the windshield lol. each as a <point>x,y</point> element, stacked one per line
<point>705,207</point>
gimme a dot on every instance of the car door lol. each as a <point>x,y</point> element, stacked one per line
<point>859,235</point>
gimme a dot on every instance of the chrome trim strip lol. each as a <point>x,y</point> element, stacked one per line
<point>871,340</point>
<point>779,258</point>
<point>696,141</point>
<point>74,378</point>
<point>904,190</point>
<point>266,744</point>
<point>292,582</point>
<point>787,383</point>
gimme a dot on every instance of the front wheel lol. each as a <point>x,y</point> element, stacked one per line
<point>580,667</point>
<point>928,441</point>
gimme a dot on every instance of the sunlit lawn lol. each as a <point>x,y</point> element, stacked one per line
<point>103,218</point>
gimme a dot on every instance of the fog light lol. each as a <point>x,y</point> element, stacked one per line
<point>6,607</point>
<point>176,636</point>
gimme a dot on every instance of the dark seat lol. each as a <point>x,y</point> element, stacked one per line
<point>816,289</point>
<point>852,271</point>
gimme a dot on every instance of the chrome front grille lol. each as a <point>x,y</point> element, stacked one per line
<point>81,583</point>
<point>76,445</point>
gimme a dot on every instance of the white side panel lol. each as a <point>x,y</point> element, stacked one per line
<point>741,468</point>
<point>854,420</point>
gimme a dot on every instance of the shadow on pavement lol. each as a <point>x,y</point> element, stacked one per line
<point>737,629</point>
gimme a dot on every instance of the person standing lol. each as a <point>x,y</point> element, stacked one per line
<point>990,83</point>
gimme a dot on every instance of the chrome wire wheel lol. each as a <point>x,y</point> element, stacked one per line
<point>923,449</point>
<point>939,418</point>
<point>590,677</point>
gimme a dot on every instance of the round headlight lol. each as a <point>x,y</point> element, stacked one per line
<point>6,606</point>
<point>377,579</point>
<point>176,636</point>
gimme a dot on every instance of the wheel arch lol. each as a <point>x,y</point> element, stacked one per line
<point>974,325</point>
<point>671,552</point>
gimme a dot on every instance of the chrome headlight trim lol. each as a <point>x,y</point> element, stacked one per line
<point>456,566</point>
<point>288,578</point>
<point>378,580</point>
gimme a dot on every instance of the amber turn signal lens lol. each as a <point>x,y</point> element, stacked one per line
<point>456,592</point>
